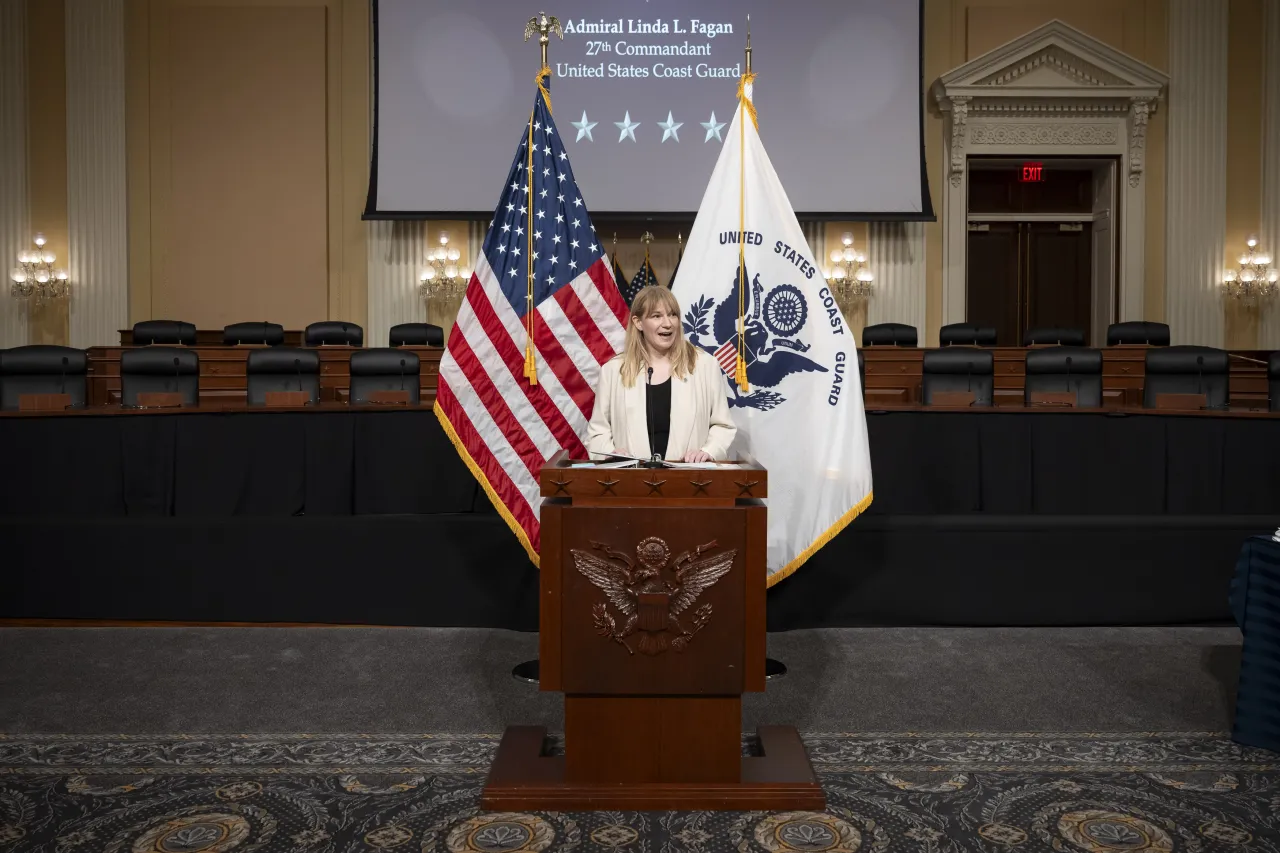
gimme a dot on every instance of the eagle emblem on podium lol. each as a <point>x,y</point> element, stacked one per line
<point>649,603</point>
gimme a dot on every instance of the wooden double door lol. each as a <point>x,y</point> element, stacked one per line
<point>1026,275</point>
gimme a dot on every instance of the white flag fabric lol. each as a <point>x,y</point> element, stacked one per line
<point>801,415</point>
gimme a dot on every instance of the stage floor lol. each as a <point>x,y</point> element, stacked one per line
<point>395,680</point>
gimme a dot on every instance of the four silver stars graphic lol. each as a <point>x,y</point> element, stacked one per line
<point>627,128</point>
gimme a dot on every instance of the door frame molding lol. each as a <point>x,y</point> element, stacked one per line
<point>1054,91</point>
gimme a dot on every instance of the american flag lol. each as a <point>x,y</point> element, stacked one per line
<point>504,425</point>
<point>644,277</point>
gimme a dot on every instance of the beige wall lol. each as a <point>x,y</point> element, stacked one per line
<point>1244,154</point>
<point>47,150</point>
<point>247,139</point>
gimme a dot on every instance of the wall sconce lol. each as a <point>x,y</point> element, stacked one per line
<point>35,276</point>
<point>442,276</point>
<point>1255,281</point>
<point>848,274</point>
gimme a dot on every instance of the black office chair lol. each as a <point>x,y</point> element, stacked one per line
<point>156,370</point>
<point>1066,369</point>
<point>889,335</point>
<point>386,369</point>
<point>1188,370</point>
<point>282,369</point>
<point>271,334</point>
<point>1056,336</point>
<point>958,369</point>
<point>164,332</point>
<point>1138,332</point>
<point>1273,381</point>
<point>966,334</point>
<point>416,335</point>
<point>333,333</point>
<point>42,369</point>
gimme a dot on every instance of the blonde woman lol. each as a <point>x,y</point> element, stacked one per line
<point>660,386</point>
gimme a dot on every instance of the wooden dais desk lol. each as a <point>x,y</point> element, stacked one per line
<point>223,376</point>
<point>893,375</point>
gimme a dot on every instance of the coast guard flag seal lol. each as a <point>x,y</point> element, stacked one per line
<point>541,314</point>
<point>799,411</point>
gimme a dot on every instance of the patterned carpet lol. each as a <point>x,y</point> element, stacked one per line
<point>886,793</point>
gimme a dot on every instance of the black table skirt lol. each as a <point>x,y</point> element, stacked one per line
<point>468,570</point>
<point>391,462</point>
<point>238,464</point>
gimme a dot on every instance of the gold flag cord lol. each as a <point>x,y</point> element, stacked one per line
<point>740,373</point>
<point>530,361</point>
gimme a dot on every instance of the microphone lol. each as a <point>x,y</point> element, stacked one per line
<point>1200,377</point>
<point>176,381</point>
<point>297,367</point>
<point>62,377</point>
<point>1068,373</point>
<point>655,455</point>
<point>968,380</point>
<point>402,374</point>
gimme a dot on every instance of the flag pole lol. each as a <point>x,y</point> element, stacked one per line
<point>773,668</point>
<point>543,25</point>
<point>740,373</point>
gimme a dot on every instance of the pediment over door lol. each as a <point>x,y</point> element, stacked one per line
<point>1077,89</point>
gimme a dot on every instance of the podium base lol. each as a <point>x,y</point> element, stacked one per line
<point>523,778</point>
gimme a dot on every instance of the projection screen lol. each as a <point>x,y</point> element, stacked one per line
<point>643,93</point>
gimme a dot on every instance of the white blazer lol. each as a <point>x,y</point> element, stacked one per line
<point>699,413</point>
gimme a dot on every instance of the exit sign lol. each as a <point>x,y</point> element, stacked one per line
<point>1032,173</point>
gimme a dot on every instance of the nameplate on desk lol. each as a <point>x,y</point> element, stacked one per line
<point>1181,401</point>
<point>286,398</point>
<point>885,395</point>
<point>389,398</point>
<point>160,400</point>
<point>43,402</point>
<point>1053,398</point>
<point>951,398</point>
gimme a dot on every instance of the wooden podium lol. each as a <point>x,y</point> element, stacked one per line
<point>652,620</point>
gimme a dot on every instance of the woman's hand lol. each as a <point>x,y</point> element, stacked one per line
<point>697,456</point>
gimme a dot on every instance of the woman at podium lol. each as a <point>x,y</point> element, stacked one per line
<point>662,397</point>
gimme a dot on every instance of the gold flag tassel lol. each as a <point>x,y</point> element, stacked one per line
<point>530,363</point>
<point>541,25</point>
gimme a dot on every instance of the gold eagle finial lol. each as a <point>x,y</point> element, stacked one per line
<point>541,25</point>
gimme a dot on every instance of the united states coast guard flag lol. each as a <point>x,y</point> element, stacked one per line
<point>755,299</point>
<point>541,314</point>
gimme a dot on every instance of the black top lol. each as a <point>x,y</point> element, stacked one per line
<point>658,412</point>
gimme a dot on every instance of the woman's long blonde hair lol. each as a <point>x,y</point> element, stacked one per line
<point>683,353</point>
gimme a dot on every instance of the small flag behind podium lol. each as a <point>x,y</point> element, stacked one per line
<point>541,313</point>
<point>754,298</point>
